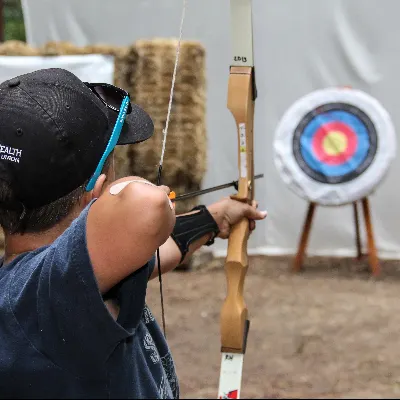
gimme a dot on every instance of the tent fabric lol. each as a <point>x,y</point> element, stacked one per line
<point>91,67</point>
<point>299,47</point>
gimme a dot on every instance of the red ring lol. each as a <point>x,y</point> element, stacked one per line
<point>320,135</point>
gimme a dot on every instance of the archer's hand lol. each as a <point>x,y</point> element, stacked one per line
<point>228,212</point>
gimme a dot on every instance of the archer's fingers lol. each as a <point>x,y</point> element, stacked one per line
<point>252,213</point>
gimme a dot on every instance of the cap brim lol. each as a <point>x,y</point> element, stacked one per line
<point>137,128</point>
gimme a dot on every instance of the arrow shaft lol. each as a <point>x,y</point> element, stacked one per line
<point>186,196</point>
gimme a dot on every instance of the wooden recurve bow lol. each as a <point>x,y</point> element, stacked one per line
<point>241,97</point>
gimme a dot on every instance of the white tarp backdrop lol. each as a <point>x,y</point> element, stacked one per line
<point>88,67</point>
<point>300,46</point>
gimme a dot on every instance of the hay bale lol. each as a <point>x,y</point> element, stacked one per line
<point>67,48</point>
<point>149,83</point>
<point>60,48</point>
<point>17,48</point>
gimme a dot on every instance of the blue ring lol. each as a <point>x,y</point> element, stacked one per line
<point>363,143</point>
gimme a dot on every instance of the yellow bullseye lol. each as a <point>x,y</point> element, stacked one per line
<point>334,143</point>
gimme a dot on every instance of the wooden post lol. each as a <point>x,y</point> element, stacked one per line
<point>372,253</point>
<point>373,260</point>
<point>357,229</point>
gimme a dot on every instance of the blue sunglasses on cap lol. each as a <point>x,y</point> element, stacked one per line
<point>103,91</point>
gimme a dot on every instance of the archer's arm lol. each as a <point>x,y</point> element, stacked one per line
<point>123,231</point>
<point>225,213</point>
<point>170,255</point>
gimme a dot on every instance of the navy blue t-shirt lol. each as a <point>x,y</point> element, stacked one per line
<point>58,339</point>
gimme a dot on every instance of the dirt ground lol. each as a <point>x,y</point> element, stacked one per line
<point>328,332</point>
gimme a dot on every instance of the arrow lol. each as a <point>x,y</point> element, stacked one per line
<point>189,195</point>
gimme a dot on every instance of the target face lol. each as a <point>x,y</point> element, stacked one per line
<point>334,146</point>
<point>335,143</point>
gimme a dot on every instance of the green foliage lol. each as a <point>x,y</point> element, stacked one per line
<point>14,28</point>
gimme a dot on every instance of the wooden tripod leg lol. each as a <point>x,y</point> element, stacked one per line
<point>298,262</point>
<point>372,253</point>
<point>357,226</point>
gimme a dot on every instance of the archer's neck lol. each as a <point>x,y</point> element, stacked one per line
<point>16,244</point>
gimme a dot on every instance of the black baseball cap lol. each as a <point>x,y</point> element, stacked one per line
<point>54,130</point>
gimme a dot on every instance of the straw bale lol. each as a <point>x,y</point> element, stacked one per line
<point>17,48</point>
<point>60,48</point>
<point>185,161</point>
<point>53,48</point>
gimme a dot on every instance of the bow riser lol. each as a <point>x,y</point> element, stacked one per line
<point>234,321</point>
<point>234,311</point>
<point>241,105</point>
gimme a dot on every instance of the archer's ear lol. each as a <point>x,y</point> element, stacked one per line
<point>96,191</point>
<point>99,186</point>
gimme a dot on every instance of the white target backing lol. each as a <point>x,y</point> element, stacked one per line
<point>334,146</point>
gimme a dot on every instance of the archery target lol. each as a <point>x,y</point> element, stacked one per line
<point>334,146</point>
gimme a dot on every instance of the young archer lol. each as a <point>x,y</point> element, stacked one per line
<point>80,246</point>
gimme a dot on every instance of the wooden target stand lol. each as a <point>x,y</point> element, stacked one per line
<point>373,260</point>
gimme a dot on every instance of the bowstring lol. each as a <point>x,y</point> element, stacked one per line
<point>165,133</point>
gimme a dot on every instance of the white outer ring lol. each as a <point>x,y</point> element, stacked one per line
<point>343,193</point>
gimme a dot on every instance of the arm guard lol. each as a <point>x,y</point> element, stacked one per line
<point>189,228</point>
